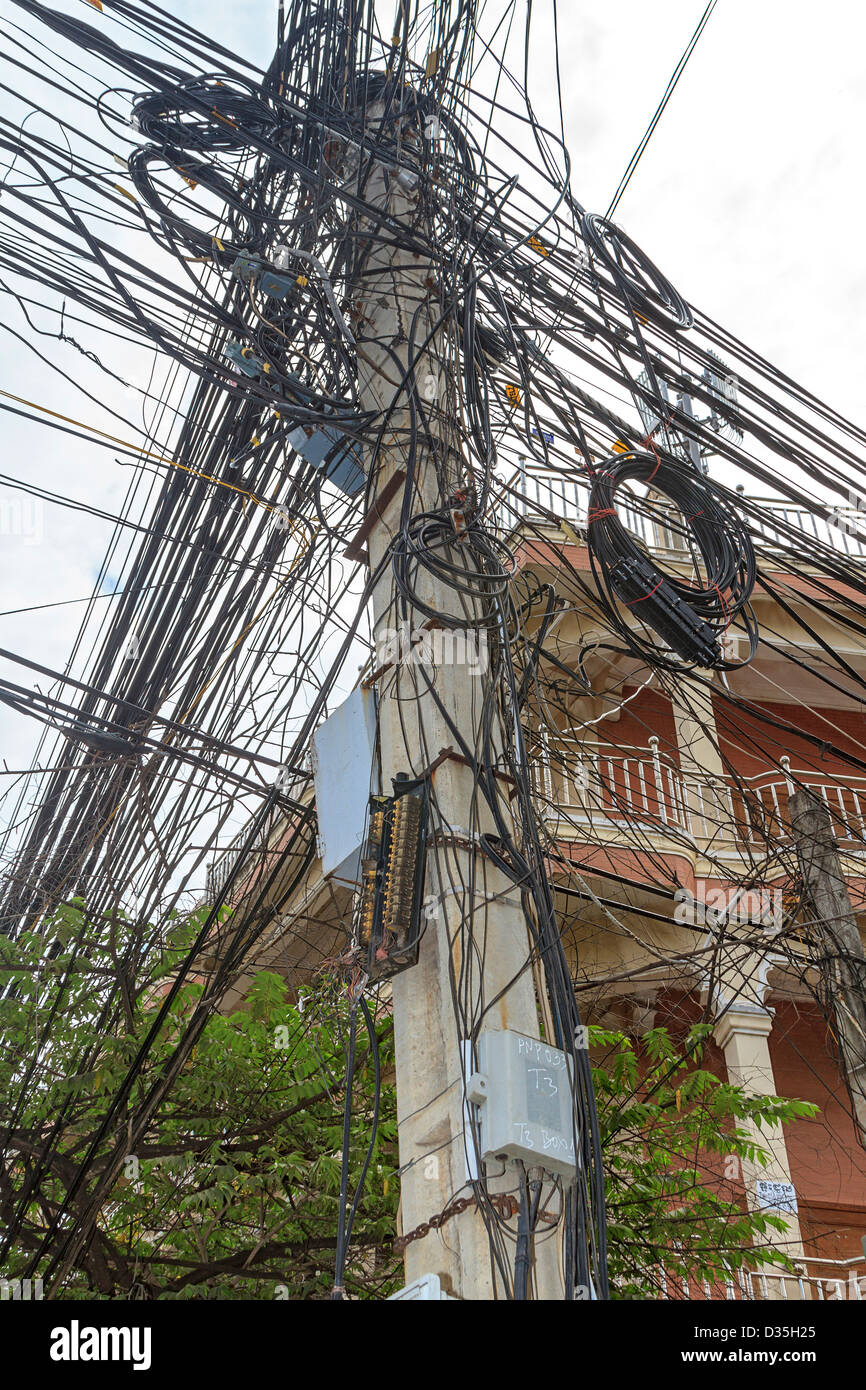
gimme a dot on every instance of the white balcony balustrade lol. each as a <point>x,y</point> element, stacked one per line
<point>531,494</point>
<point>594,788</point>
<point>818,1279</point>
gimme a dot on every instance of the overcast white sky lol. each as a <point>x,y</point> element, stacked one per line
<point>749,198</point>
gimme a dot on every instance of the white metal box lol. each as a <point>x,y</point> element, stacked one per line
<point>528,1108</point>
<point>429,1286</point>
<point>342,767</point>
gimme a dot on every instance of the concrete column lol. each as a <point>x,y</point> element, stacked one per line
<point>701,764</point>
<point>742,1031</point>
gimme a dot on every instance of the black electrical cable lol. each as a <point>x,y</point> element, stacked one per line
<point>691,616</point>
<point>243,258</point>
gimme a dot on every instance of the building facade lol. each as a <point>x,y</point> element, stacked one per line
<point>664,806</point>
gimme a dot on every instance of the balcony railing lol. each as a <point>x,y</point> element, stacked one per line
<point>596,786</point>
<point>759,805</point>
<point>641,786</point>
<point>822,1280</point>
<point>535,494</point>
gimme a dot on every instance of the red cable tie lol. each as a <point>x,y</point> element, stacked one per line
<point>658,460</point>
<point>649,594</point>
<point>725,607</point>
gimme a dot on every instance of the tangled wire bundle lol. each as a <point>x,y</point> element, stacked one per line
<point>690,615</point>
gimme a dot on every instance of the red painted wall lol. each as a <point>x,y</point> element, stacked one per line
<point>647,713</point>
<point>828,1164</point>
<point>743,736</point>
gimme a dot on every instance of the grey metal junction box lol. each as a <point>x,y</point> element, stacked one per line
<point>524,1093</point>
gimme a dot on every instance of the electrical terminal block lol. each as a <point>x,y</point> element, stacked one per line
<point>392,875</point>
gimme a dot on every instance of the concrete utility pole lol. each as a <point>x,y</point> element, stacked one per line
<point>843,947</point>
<point>398,303</point>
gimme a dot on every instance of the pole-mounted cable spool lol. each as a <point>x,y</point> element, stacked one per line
<point>690,613</point>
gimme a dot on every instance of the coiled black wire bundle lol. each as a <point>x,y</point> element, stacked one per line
<point>476,566</point>
<point>638,282</point>
<point>205,114</point>
<point>690,614</point>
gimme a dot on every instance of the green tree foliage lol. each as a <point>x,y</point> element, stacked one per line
<point>234,1192</point>
<point>674,1139</point>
